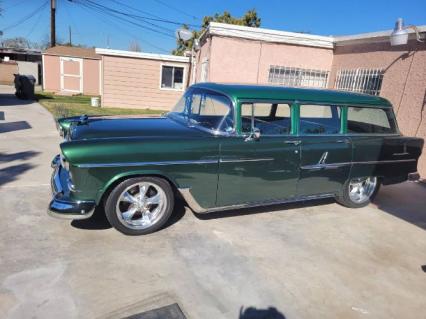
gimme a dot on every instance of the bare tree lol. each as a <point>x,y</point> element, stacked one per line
<point>135,46</point>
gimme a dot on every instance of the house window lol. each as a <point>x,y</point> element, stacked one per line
<point>289,76</point>
<point>360,80</point>
<point>171,77</point>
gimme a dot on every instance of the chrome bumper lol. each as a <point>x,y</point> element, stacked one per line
<point>61,206</point>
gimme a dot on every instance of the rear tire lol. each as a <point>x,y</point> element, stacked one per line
<point>358,192</point>
<point>139,206</point>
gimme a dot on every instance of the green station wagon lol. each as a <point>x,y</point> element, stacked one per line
<point>228,147</point>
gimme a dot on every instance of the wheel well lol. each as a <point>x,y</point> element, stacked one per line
<point>121,179</point>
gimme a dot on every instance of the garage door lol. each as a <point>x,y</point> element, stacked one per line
<point>71,75</point>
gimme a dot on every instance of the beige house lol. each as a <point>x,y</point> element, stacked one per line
<point>71,70</point>
<point>139,80</point>
<point>122,78</point>
<point>364,63</point>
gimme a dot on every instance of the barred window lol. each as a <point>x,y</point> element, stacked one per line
<point>289,76</point>
<point>360,80</point>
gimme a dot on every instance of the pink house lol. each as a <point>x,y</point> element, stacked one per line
<point>365,63</point>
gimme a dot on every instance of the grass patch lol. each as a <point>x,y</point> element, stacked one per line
<point>64,106</point>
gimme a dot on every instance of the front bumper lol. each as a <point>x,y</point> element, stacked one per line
<point>61,205</point>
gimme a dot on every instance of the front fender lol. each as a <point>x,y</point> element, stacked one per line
<point>115,179</point>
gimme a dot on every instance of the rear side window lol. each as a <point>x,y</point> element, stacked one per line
<point>364,120</point>
<point>319,119</point>
<point>268,118</point>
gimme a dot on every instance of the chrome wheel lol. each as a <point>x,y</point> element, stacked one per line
<point>361,189</point>
<point>141,205</point>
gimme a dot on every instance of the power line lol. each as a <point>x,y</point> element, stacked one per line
<point>109,22</point>
<point>112,14</point>
<point>156,18</point>
<point>35,24</point>
<point>27,17</point>
<point>136,17</point>
<point>176,9</point>
<point>14,5</point>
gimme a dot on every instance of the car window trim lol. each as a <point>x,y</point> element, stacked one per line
<point>242,101</point>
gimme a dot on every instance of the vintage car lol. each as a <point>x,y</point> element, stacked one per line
<point>227,147</point>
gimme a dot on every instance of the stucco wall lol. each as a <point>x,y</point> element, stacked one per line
<point>135,83</point>
<point>203,56</point>
<point>404,81</point>
<point>248,61</point>
<point>29,68</point>
<point>52,75</point>
<point>91,77</point>
<point>7,69</point>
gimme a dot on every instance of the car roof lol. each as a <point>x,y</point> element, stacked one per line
<point>269,92</point>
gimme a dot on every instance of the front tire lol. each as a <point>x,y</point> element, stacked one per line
<point>358,192</point>
<point>139,206</point>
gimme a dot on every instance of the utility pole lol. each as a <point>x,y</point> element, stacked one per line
<point>70,39</point>
<point>52,23</point>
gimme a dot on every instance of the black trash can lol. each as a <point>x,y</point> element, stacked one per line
<point>24,85</point>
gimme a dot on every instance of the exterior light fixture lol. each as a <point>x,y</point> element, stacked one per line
<point>399,35</point>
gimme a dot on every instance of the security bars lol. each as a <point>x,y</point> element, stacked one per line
<point>290,76</point>
<point>360,80</point>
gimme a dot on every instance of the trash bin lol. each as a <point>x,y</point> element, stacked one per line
<point>24,85</point>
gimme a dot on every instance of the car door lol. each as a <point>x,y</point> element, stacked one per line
<point>326,153</point>
<point>257,168</point>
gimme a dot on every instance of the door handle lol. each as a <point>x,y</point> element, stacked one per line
<point>294,142</point>
<point>345,140</point>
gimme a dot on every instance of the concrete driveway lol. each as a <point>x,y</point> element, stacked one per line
<point>313,260</point>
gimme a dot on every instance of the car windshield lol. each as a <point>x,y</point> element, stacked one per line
<point>205,109</point>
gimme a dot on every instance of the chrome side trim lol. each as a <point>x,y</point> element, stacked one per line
<point>183,162</point>
<point>240,160</point>
<point>119,164</point>
<point>337,165</point>
<point>197,208</point>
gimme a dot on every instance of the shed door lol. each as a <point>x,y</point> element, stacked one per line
<point>71,75</point>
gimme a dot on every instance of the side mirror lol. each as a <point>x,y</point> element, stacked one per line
<point>254,135</point>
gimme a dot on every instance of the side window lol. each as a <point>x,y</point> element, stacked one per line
<point>211,110</point>
<point>371,120</point>
<point>319,119</point>
<point>269,118</point>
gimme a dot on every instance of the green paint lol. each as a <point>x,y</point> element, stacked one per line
<point>100,142</point>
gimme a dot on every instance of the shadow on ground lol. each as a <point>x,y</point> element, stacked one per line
<point>405,201</point>
<point>21,156</point>
<point>11,100</point>
<point>253,313</point>
<point>99,221</point>
<point>264,209</point>
<point>12,173</point>
<point>14,126</point>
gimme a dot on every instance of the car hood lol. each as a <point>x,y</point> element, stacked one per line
<point>96,128</point>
